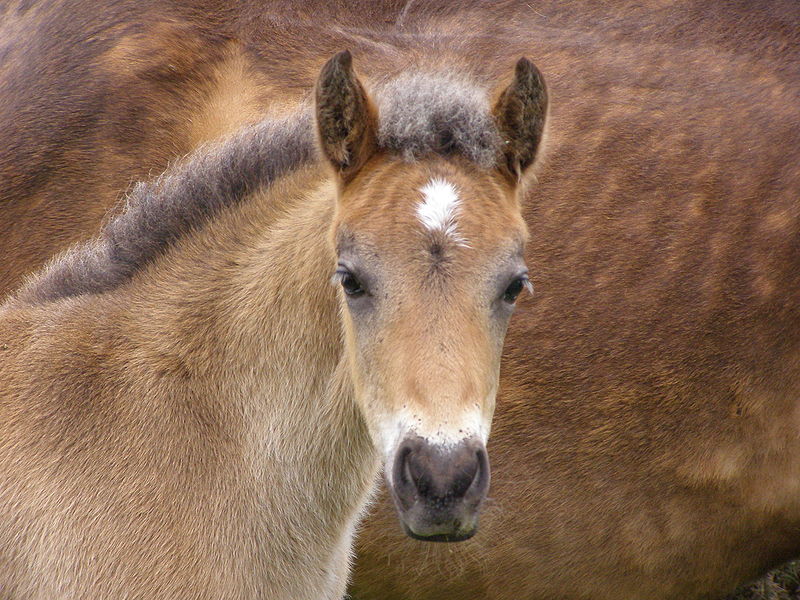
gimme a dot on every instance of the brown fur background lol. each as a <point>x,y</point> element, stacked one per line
<point>645,438</point>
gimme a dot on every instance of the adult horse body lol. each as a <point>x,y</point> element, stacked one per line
<point>646,428</point>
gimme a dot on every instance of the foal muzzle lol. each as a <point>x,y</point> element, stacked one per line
<point>438,490</point>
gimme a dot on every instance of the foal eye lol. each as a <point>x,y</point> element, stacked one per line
<point>514,288</point>
<point>351,285</point>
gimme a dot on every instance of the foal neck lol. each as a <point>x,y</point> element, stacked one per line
<point>210,387</point>
<point>247,306</point>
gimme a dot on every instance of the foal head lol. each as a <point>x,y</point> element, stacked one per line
<point>429,239</point>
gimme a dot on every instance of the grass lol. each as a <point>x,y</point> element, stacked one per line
<point>781,584</point>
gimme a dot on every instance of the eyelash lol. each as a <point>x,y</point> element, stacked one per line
<point>514,289</point>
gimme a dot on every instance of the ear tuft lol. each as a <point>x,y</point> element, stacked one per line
<point>346,119</point>
<point>520,114</point>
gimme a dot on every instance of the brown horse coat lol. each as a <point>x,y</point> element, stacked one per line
<point>645,439</point>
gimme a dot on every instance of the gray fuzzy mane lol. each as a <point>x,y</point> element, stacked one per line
<point>184,199</point>
<point>426,113</point>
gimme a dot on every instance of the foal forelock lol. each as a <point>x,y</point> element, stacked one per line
<point>426,113</point>
<point>185,198</point>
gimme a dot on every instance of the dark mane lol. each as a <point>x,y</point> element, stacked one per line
<point>183,199</point>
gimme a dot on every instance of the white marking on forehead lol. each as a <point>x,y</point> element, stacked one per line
<point>439,207</point>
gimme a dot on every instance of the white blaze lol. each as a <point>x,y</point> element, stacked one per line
<point>439,207</point>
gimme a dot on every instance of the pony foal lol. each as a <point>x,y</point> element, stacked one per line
<point>188,410</point>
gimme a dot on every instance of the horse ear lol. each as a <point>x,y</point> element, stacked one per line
<point>346,117</point>
<point>520,115</point>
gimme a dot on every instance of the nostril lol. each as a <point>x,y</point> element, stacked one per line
<point>407,476</point>
<point>480,482</point>
<point>415,477</point>
<point>419,474</point>
<point>404,472</point>
<point>403,482</point>
<point>476,476</point>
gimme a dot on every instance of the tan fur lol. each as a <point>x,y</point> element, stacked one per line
<point>645,433</point>
<point>141,460</point>
<point>450,357</point>
<point>194,432</point>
